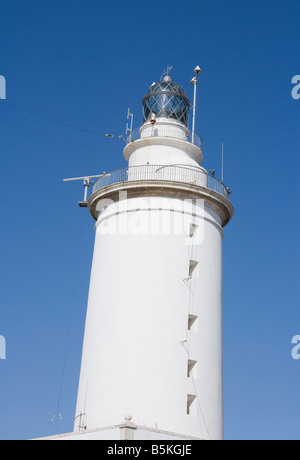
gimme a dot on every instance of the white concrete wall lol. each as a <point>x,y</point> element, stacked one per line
<point>165,127</point>
<point>137,343</point>
<point>163,144</point>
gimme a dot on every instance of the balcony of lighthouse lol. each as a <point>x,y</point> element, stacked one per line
<point>180,174</point>
<point>163,128</point>
<point>163,131</point>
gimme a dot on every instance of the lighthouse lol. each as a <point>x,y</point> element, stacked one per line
<point>152,353</point>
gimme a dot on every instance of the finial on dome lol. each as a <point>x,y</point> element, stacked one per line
<point>166,74</point>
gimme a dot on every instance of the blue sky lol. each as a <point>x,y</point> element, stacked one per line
<point>84,62</point>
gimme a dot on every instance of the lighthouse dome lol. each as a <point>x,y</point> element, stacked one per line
<point>166,99</point>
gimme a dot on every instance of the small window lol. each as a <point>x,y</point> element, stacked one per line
<point>193,323</point>
<point>192,368</point>
<point>193,228</point>
<point>191,405</point>
<point>192,268</point>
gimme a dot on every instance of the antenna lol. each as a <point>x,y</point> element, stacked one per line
<point>194,81</point>
<point>86,182</point>
<point>129,130</point>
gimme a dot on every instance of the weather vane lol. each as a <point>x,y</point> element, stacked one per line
<point>166,72</point>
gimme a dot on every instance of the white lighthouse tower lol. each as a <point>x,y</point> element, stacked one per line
<point>152,354</point>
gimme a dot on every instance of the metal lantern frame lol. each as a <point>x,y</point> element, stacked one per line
<point>166,99</point>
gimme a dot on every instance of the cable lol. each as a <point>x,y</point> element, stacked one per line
<point>54,120</point>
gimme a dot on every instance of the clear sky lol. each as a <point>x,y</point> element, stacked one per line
<point>84,62</point>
